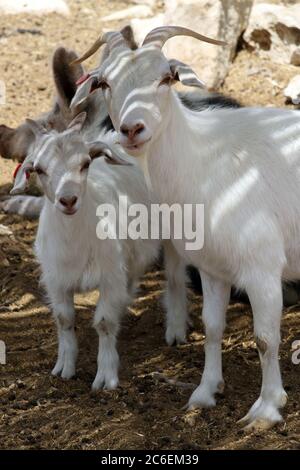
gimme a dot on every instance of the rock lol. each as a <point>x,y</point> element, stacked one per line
<point>292,91</point>
<point>4,230</point>
<point>150,3</point>
<point>34,6</point>
<point>274,31</point>
<point>142,27</point>
<point>295,58</point>
<point>225,20</point>
<point>2,93</point>
<point>141,11</point>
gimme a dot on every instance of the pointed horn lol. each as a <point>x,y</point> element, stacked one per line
<point>112,38</point>
<point>160,35</point>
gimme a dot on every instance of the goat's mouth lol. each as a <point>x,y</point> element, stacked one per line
<point>135,146</point>
<point>65,210</point>
<point>69,211</point>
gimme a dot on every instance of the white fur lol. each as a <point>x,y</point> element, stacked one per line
<point>73,259</point>
<point>248,180</point>
<point>243,165</point>
<point>29,206</point>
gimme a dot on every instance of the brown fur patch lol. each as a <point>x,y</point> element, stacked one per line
<point>262,345</point>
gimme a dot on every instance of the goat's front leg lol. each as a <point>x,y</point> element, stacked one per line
<point>216,295</point>
<point>265,294</point>
<point>64,314</point>
<point>175,296</point>
<point>114,298</point>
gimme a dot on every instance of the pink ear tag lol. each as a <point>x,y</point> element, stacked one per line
<point>82,79</point>
<point>17,169</point>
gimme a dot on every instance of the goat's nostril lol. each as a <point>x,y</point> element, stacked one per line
<point>73,201</point>
<point>139,128</point>
<point>68,202</point>
<point>124,129</point>
<point>132,131</point>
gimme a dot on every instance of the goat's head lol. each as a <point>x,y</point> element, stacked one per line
<point>136,84</point>
<point>61,161</point>
<point>15,143</point>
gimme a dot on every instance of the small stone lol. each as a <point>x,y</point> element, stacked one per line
<point>292,91</point>
<point>20,384</point>
<point>12,395</point>
<point>141,11</point>
<point>295,58</point>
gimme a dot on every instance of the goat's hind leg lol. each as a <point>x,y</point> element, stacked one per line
<point>265,296</point>
<point>28,206</point>
<point>64,314</point>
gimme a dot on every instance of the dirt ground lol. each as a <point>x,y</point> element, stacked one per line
<point>42,412</point>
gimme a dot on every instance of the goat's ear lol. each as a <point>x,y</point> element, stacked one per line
<point>83,91</point>
<point>127,33</point>
<point>4,130</point>
<point>36,127</point>
<point>183,73</point>
<point>21,176</point>
<point>6,141</point>
<point>111,154</point>
<point>77,123</point>
<point>65,76</point>
<point>15,143</point>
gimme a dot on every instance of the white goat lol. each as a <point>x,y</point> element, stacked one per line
<point>71,255</point>
<point>243,165</point>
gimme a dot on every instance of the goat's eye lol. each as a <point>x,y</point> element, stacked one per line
<point>85,166</point>
<point>39,171</point>
<point>167,80</point>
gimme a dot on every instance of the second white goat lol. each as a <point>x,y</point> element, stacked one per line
<point>71,255</point>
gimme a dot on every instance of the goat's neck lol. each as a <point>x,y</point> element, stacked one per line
<point>173,152</point>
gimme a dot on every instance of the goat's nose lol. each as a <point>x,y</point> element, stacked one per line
<point>68,202</point>
<point>132,131</point>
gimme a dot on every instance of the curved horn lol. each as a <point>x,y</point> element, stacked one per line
<point>112,38</point>
<point>160,35</point>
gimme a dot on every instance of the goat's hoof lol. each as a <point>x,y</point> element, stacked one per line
<point>263,415</point>
<point>68,374</point>
<point>56,371</point>
<point>175,336</point>
<point>105,383</point>
<point>63,371</point>
<point>220,387</point>
<point>259,425</point>
<point>201,398</point>
<point>209,402</point>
